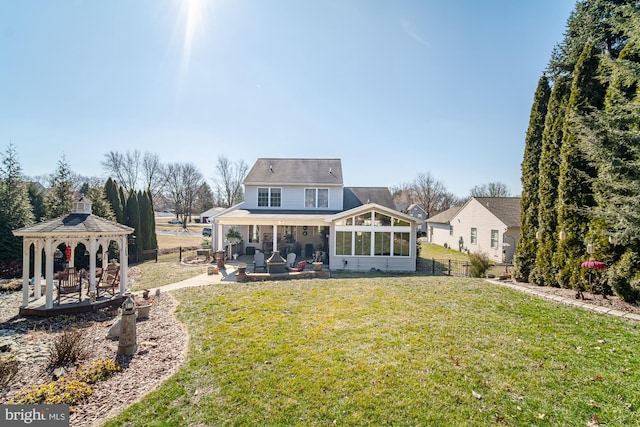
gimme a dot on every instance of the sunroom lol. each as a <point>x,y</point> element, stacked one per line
<point>372,237</point>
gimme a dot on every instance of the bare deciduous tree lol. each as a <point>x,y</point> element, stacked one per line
<point>492,189</point>
<point>153,174</point>
<point>183,180</point>
<point>124,167</point>
<point>430,193</point>
<point>230,176</point>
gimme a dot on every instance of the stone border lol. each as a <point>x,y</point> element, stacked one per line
<point>571,301</point>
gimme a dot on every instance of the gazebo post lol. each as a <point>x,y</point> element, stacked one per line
<point>25,273</point>
<point>48,256</point>
<point>92,267</point>
<point>124,250</point>
<point>37,268</point>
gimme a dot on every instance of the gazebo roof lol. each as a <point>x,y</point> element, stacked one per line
<point>81,222</point>
<point>75,224</point>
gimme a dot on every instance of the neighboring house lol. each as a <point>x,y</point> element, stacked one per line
<point>206,217</point>
<point>489,225</point>
<point>418,212</point>
<point>302,206</point>
<point>440,230</point>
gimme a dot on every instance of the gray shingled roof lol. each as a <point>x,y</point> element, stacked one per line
<point>444,217</point>
<point>506,209</point>
<point>358,196</point>
<point>295,171</point>
<point>75,224</point>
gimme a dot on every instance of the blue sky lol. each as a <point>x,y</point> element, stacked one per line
<point>393,88</point>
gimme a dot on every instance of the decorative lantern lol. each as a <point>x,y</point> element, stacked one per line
<point>127,343</point>
<point>67,252</point>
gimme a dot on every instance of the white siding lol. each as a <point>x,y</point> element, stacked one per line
<point>293,198</point>
<point>439,234</point>
<point>475,215</point>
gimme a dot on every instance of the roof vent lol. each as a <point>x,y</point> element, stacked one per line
<point>271,168</point>
<point>330,172</point>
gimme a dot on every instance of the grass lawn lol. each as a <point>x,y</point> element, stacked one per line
<point>431,250</point>
<point>403,350</point>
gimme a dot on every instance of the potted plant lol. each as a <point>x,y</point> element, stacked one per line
<point>144,307</point>
<point>233,236</point>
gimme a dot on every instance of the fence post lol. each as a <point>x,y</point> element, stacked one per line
<point>433,266</point>
<point>449,267</point>
<point>180,253</point>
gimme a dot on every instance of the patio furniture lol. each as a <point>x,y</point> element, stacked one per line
<point>69,283</point>
<point>110,280</point>
<point>291,259</point>
<point>259,262</point>
<point>300,267</point>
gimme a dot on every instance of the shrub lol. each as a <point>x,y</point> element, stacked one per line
<point>67,348</point>
<point>69,390</point>
<point>8,370</point>
<point>479,264</point>
<point>624,277</point>
<point>63,391</point>
<point>98,371</point>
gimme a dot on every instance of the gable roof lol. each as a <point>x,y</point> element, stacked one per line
<point>357,196</point>
<point>445,217</point>
<point>368,207</point>
<point>506,209</point>
<point>270,171</point>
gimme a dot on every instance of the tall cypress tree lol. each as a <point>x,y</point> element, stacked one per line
<point>575,194</point>
<point>132,218</point>
<point>544,273</point>
<point>150,218</point>
<point>612,139</point>
<point>113,197</point>
<point>526,250</point>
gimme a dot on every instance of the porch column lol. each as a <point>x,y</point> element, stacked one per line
<point>37,268</point>
<point>48,256</point>
<point>275,238</point>
<point>25,271</point>
<point>124,249</point>
<point>220,242</point>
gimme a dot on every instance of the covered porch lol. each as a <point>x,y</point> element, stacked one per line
<point>305,235</point>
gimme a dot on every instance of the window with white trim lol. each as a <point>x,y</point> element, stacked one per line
<point>269,197</point>
<point>373,234</point>
<point>474,236</point>
<point>316,198</point>
<point>494,239</point>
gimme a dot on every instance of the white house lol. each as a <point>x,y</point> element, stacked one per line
<point>298,205</point>
<point>489,225</point>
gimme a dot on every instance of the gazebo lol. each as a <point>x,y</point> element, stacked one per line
<point>79,227</point>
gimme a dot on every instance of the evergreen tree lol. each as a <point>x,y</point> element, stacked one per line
<point>15,209</point>
<point>526,249</point>
<point>612,139</point>
<point>100,206</point>
<point>544,272</point>
<point>147,219</point>
<point>576,173</point>
<point>36,198</point>
<point>59,200</point>
<point>113,197</point>
<point>132,217</point>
